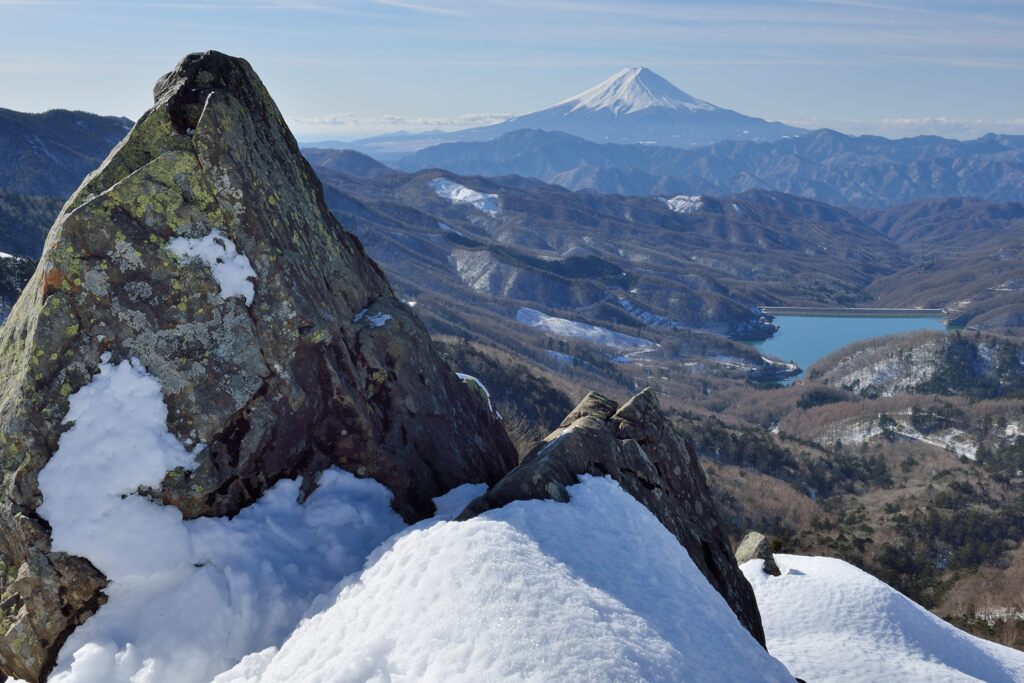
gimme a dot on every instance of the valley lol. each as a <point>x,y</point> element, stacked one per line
<point>393,341</point>
<point>835,330</point>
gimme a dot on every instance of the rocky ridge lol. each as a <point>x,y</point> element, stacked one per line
<point>202,248</point>
<point>636,445</point>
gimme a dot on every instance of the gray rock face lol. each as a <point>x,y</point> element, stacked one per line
<point>755,546</point>
<point>637,446</point>
<point>318,366</point>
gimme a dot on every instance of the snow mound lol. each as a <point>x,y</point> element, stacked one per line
<point>634,89</point>
<point>561,327</point>
<point>460,194</point>
<point>591,590</point>
<point>187,599</point>
<point>684,203</point>
<point>829,621</point>
<point>231,270</point>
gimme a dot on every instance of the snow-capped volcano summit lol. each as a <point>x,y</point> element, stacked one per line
<point>637,105</point>
<point>634,105</point>
<point>634,89</point>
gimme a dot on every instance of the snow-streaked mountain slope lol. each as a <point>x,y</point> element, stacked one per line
<point>592,590</point>
<point>563,327</point>
<point>829,621</point>
<point>684,203</point>
<point>631,90</point>
<point>460,194</point>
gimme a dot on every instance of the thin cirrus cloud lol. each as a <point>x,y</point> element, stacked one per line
<point>351,123</point>
<point>937,66</point>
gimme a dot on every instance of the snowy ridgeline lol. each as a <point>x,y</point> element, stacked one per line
<point>829,621</point>
<point>460,194</point>
<point>561,327</point>
<point>338,589</point>
<point>593,590</point>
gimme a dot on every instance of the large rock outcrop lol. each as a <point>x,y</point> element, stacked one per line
<point>756,546</point>
<point>637,446</point>
<point>202,247</point>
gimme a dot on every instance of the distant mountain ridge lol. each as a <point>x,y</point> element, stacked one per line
<point>634,105</point>
<point>48,154</point>
<point>863,171</point>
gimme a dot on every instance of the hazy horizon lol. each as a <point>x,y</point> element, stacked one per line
<point>345,70</point>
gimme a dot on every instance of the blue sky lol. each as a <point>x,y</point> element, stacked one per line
<point>345,69</point>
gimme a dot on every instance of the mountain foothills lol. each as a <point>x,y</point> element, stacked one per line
<point>653,268</point>
<point>854,171</point>
<point>49,154</point>
<point>277,415</point>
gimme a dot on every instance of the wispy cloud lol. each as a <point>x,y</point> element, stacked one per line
<point>349,123</point>
<point>420,8</point>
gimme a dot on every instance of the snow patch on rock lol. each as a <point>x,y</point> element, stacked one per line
<point>231,270</point>
<point>187,599</point>
<point>477,385</point>
<point>374,319</point>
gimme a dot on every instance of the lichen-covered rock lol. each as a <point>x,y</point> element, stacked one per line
<point>636,445</point>
<point>755,546</point>
<point>202,247</point>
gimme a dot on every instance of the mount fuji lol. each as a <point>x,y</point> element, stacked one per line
<point>635,105</point>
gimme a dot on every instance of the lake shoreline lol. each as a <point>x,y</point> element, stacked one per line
<point>837,312</point>
<point>805,339</point>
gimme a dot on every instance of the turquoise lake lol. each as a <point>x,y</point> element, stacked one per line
<point>806,339</point>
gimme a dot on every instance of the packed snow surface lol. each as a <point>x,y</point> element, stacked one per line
<point>591,590</point>
<point>634,89</point>
<point>460,194</point>
<point>684,203</point>
<point>561,327</point>
<point>187,599</point>
<point>829,621</point>
<point>231,270</point>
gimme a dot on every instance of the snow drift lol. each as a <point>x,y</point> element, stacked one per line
<point>829,621</point>
<point>592,590</point>
<point>187,599</point>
